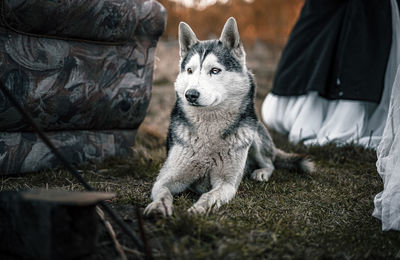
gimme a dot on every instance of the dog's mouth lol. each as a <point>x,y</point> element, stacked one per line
<point>215,102</point>
<point>195,104</point>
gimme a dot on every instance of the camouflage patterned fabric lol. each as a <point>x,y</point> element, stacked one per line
<point>83,69</point>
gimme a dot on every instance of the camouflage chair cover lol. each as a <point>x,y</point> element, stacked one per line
<point>83,69</point>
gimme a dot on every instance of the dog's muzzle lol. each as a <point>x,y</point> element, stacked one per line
<point>192,95</point>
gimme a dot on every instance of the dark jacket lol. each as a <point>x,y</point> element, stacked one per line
<point>339,48</point>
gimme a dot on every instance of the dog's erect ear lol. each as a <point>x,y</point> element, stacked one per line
<point>231,39</point>
<point>187,38</point>
<point>230,34</point>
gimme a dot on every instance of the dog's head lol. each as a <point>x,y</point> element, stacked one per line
<point>212,72</point>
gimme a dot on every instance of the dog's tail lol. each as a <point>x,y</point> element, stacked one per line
<point>292,161</point>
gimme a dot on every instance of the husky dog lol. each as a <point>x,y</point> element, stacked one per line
<point>214,134</point>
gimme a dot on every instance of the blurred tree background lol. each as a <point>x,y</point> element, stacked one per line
<point>269,21</point>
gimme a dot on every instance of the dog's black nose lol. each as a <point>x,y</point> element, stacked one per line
<point>192,95</point>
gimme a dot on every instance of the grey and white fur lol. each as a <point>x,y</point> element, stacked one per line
<point>214,136</point>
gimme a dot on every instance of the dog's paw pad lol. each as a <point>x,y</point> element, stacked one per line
<point>158,208</point>
<point>261,175</point>
<point>197,210</point>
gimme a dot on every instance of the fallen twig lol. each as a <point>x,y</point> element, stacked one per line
<point>143,235</point>
<point>111,231</point>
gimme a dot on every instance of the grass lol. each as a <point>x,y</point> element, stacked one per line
<point>323,215</point>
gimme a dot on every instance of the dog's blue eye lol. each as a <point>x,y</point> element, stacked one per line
<point>215,71</point>
<point>189,70</point>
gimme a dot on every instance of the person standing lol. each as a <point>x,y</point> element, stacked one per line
<point>330,81</point>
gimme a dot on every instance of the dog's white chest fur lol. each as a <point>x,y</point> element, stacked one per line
<point>202,155</point>
<point>203,149</point>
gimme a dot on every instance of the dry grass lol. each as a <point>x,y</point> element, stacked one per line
<point>323,215</point>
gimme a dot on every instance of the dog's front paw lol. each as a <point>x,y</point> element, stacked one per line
<point>261,174</point>
<point>158,207</point>
<point>197,210</point>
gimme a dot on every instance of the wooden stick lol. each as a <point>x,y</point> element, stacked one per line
<point>111,231</point>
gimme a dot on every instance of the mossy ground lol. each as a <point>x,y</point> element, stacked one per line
<point>326,214</point>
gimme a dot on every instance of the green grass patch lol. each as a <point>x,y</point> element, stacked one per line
<point>326,214</point>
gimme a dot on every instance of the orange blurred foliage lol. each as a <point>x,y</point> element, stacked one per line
<point>267,20</point>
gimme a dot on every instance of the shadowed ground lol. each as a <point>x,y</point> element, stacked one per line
<point>326,214</point>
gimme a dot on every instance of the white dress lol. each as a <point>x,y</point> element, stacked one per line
<point>315,120</point>
<point>387,202</point>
